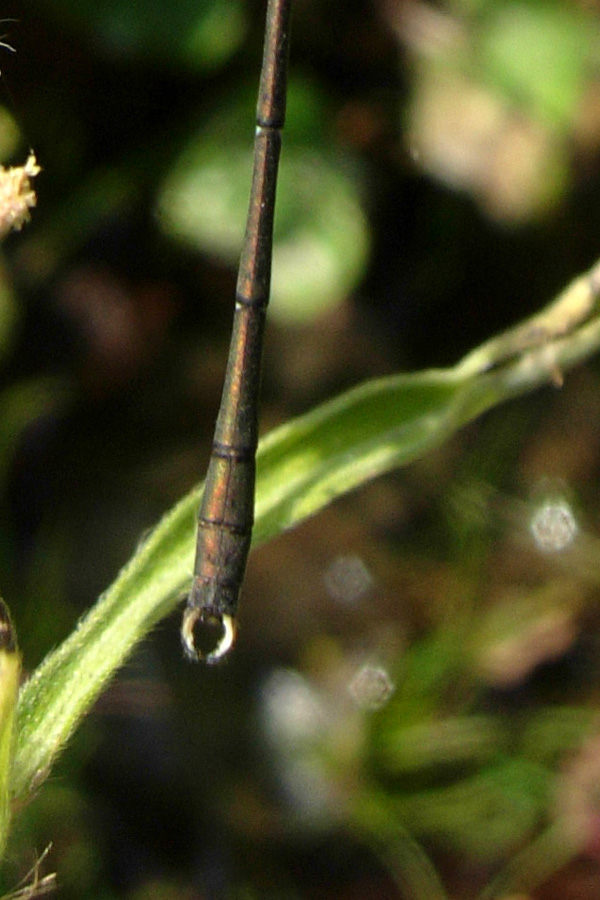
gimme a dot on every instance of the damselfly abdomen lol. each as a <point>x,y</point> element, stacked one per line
<point>226,513</point>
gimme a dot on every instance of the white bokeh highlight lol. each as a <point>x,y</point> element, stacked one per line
<point>553,526</point>
<point>371,687</point>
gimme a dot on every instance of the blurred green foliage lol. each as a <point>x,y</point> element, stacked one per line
<point>505,95</point>
<point>321,238</point>
<point>195,35</point>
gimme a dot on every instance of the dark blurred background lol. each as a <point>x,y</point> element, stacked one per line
<point>440,180</point>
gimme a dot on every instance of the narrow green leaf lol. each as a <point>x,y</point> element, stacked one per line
<point>302,467</point>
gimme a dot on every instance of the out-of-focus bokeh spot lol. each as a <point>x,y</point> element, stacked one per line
<point>553,527</point>
<point>501,98</point>
<point>348,580</point>
<point>371,687</point>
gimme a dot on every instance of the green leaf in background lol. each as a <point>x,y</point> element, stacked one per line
<point>321,233</point>
<point>197,34</point>
<point>446,742</point>
<point>550,731</point>
<point>404,858</point>
<point>484,816</point>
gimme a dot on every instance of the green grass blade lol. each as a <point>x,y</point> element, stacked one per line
<point>302,467</point>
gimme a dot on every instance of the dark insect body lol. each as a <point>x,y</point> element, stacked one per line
<point>226,514</point>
